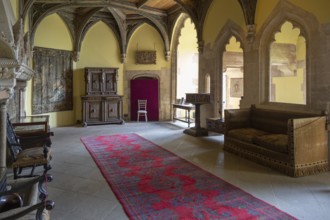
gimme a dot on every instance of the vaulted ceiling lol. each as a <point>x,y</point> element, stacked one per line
<point>124,16</point>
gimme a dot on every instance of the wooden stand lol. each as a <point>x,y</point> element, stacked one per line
<point>197,99</point>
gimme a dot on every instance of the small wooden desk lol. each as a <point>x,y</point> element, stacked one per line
<point>187,109</point>
<point>31,124</point>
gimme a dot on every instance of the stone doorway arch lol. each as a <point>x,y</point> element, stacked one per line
<point>145,88</point>
<point>164,94</point>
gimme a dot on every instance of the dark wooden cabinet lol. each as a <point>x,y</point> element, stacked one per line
<point>101,104</point>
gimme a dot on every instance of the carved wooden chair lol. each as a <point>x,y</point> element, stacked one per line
<point>142,110</point>
<point>19,198</point>
<point>28,157</point>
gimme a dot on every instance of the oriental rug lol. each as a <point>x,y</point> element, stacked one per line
<point>153,183</point>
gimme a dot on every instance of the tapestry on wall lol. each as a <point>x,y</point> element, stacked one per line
<point>52,81</point>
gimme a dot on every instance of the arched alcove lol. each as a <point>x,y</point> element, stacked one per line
<point>309,33</point>
<point>146,88</point>
<point>232,75</point>
<point>287,66</point>
<point>154,77</point>
<point>229,56</point>
<point>187,60</point>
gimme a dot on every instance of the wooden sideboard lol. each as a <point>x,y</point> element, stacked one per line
<point>101,104</point>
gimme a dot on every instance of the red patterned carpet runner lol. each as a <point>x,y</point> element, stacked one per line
<point>153,183</point>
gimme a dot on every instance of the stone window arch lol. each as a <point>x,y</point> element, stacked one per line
<point>287,66</point>
<point>310,32</point>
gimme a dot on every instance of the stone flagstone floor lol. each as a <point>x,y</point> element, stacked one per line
<point>81,193</point>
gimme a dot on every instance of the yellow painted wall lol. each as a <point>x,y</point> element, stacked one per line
<point>53,33</point>
<point>264,8</point>
<point>14,4</point>
<point>288,89</point>
<point>218,14</point>
<point>320,8</point>
<point>100,48</point>
<point>301,48</point>
<point>288,34</point>
<point>146,38</point>
<point>56,37</point>
<point>15,8</point>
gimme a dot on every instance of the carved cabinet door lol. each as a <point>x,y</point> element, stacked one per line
<point>96,83</point>
<point>110,82</point>
<point>94,110</point>
<point>111,111</point>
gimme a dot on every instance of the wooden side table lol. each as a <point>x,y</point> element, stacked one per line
<point>187,108</point>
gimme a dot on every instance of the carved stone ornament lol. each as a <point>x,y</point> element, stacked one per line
<point>75,56</point>
<point>251,33</point>
<point>145,57</point>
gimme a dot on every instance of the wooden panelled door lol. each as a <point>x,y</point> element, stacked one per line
<point>145,88</point>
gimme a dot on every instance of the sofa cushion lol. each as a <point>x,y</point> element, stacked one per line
<point>275,142</point>
<point>246,134</point>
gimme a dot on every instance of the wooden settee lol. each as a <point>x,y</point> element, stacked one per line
<point>291,142</point>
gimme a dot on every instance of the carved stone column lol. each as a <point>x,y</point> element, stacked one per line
<point>3,133</point>
<point>14,56</point>
<point>20,90</point>
<point>7,83</point>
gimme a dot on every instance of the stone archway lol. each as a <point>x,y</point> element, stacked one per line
<point>164,93</point>
<point>145,88</point>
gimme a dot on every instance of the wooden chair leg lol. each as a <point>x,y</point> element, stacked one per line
<point>15,173</point>
<point>32,170</point>
<point>47,167</point>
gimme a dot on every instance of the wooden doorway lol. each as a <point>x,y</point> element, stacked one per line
<point>145,88</point>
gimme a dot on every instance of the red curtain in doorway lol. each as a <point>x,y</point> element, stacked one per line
<point>143,88</point>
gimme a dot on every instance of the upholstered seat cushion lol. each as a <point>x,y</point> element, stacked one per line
<point>275,142</point>
<point>32,156</point>
<point>246,134</point>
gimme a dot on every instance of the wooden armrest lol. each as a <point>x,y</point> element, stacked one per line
<point>25,210</point>
<point>310,139</point>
